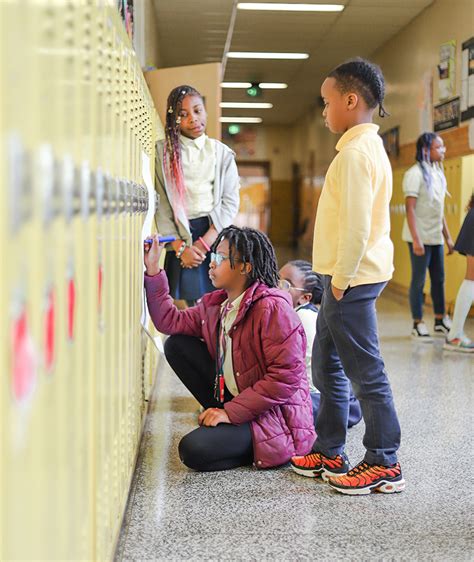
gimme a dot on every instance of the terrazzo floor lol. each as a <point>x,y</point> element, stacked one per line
<point>245,514</point>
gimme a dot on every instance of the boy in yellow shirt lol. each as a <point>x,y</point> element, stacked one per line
<point>353,251</point>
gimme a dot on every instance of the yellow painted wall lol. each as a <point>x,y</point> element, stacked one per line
<point>205,78</point>
<point>413,52</point>
<point>75,120</point>
<point>152,45</point>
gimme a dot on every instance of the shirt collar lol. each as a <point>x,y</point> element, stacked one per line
<point>355,132</point>
<point>198,143</point>
<point>235,304</point>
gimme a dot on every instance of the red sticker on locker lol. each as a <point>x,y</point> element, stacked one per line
<point>50,331</point>
<point>71,307</point>
<point>23,358</point>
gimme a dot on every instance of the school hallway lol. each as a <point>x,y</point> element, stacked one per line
<point>246,514</point>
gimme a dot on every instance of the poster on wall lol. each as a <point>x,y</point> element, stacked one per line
<point>125,8</point>
<point>391,141</point>
<point>447,70</point>
<point>446,115</point>
<point>467,80</point>
<point>425,102</point>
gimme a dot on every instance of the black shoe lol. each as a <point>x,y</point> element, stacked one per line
<point>442,326</point>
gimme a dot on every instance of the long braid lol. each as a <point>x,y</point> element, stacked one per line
<point>312,280</point>
<point>363,77</point>
<point>423,150</point>
<point>253,247</point>
<point>172,148</point>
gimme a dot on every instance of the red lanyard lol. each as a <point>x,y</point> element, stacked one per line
<point>219,384</point>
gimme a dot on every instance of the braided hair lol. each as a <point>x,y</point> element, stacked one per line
<point>172,148</point>
<point>364,77</point>
<point>254,247</point>
<point>312,281</point>
<point>423,151</point>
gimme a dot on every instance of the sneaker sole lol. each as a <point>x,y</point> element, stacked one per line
<point>385,487</point>
<point>440,334</point>
<point>422,339</point>
<point>458,349</point>
<point>311,473</point>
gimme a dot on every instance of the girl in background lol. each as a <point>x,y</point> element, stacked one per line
<point>198,183</point>
<point>306,290</point>
<point>457,340</point>
<point>424,186</point>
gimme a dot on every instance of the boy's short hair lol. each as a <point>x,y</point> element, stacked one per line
<point>364,78</point>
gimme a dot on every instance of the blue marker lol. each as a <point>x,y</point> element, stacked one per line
<point>161,240</point>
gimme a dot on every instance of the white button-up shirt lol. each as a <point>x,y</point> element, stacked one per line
<point>198,158</point>
<point>229,375</point>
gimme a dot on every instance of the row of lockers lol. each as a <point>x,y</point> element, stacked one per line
<point>78,129</point>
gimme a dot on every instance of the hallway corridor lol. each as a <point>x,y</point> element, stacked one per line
<point>245,514</point>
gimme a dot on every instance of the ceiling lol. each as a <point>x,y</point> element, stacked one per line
<point>195,32</point>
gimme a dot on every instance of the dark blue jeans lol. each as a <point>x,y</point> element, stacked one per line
<point>433,259</point>
<point>355,413</point>
<point>347,349</point>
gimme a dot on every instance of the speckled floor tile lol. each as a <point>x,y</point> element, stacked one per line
<point>245,514</point>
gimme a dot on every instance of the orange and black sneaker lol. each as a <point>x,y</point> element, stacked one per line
<point>366,478</point>
<point>317,464</point>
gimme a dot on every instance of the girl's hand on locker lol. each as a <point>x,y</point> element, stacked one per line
<point>213,416</point>
<point>192,257</point>
<point>152,255</point>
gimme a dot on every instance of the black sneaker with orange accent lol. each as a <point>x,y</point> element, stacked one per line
<point>317,464</point>
<point>366,478</point>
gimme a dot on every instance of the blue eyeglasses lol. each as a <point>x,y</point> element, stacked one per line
<point>218,258</point>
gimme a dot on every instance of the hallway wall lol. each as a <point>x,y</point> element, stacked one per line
<point>412,56</point>
<point>409,62</point>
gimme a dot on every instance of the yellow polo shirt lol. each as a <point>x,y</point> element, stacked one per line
<point>352,230</point>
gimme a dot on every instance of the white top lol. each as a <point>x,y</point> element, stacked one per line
<point>308,319</point>
<point>198,158</point>
<point>429,210</point>
<point>229,375</point>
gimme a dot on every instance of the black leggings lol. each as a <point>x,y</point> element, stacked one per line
<point>206,448</point>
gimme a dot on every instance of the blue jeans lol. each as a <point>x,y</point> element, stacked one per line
<point>347,349</point>
<point>433,259</point>
<point>355,413</point>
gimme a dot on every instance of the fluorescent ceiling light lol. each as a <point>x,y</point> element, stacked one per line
<point>274,6</point>
<point>236,85</point>
<point>245,105</point>
<point>253,55</point>
<point>240,119</point>
<point>262,85</point>
<point>273,85</point>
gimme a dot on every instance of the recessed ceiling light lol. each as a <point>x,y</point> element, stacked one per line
<point>254,55</point>
<point>274,6</point>
<point>240,119</point>
<point>245,105</point>
<point>243,85</point>
<point>273,85</point>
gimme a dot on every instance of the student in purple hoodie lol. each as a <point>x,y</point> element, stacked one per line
<point>241,353</point>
